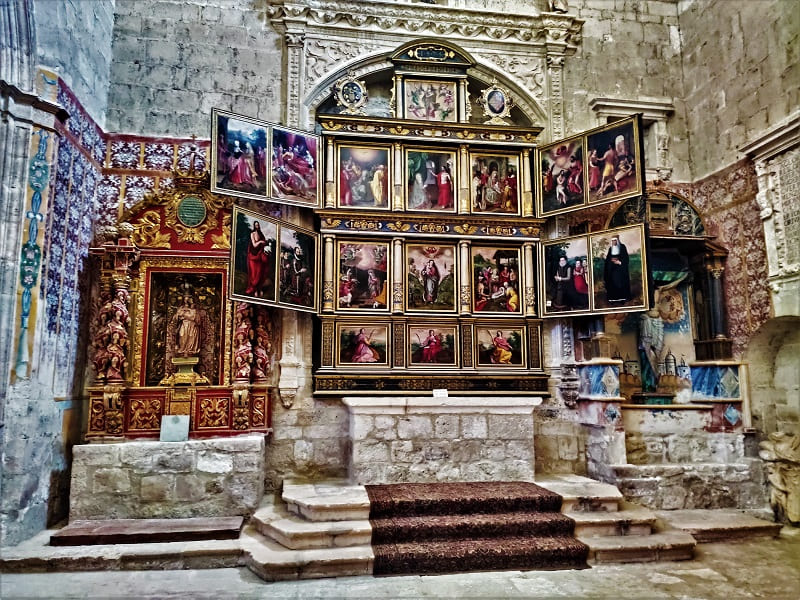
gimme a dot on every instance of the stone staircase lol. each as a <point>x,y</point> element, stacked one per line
<point>323,529</point>
<point>616,531</point>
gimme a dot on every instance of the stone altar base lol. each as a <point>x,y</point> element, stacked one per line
<point>424,439</point>
<point>142,480</point>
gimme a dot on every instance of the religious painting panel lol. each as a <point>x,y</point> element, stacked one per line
<point>494,187</point>
<point>298,266</point>
<point>433,344</point>
<point>614,164</point>
<point>619,269</point>
<point>363,176</point>
<point>184,330</point>
<point>495,280</point>
<point>362,343</point>
<point>363,275</point>
<point>254,257</point>
<point>500,345</point>
<point>560,176</point>
<point>295,169</point>
<point>430,100</point>
<point>239,155</point>
<point>565,276</point>
<point>430,180</point>
<point>431,277</point>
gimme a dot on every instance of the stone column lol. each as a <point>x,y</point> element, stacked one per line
<point>717,302</point>
<point>396,201</point>
<point>329,279</point>
<point>464,179</point>
<point>526,180</point>
<point>465,298</point>
<point>295,75</point>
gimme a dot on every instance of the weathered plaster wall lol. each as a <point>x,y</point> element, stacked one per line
<point>74,37</point>
<point>741,64</point>
<point>175,60</point>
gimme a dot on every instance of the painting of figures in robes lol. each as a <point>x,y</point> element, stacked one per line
<point>619,269</point>
<point>363,275</point>
<point>431,277</point>
<point>295,167</point>
<point>566,276</point>
<point>363,176</point>
<point>298,268</point>
<point>613,162</point>
<point>430,100</point>
<point>363,344</point>
<point>430,180</point>
<point>495,186</point>
<point>433,344</point>
<point>495,280</point>
<point>500,346</point>
<point>561,176</point>
<point>239,155</point>
<point>254,256</point>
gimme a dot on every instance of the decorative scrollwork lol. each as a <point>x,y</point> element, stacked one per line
<point>214,412</point>
<point>145,413</point>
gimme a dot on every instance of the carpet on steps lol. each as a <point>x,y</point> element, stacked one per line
<point>452,527</point>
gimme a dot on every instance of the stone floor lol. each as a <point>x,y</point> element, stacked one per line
<point>763,568</point>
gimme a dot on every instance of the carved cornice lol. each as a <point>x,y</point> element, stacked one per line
<point>775,140</point>
<point>559,33</point>
<point>655,109</point>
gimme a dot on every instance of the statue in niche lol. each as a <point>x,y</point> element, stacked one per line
<point>111,339</point>
<point>190,343</point>
<point>781,452</point>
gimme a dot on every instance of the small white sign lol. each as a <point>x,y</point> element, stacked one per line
<point>440,393</point>
<point>174,428</point>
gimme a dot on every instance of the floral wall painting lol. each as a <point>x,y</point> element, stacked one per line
<point>297,265</point>
<point>433,345</point>
<point>363,344</point>
<point>500,346</point>
<point>430,100</point>
<point>619,269</point>
<point>254,256</point>
<point>431,277</point>
<point>613,162</point>
<point>430,180</point>
<point>561,176</point>
<point>363,276</point>
<point>495,280</point>
<point>565,273</point>
<point>295,166</point>
<point>494,186</point>
<point>239,155</point>
<point>363,176</point>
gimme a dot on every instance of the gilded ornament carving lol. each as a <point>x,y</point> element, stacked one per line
<point>112,401</point>
<point>465,295</point>
<point>222,241</point>
<point>530,297</point>
<point>97,416</point>
<point>259,411</point>
<point>214,412</point>
<point>148,232</point>
<point>327,291</point>
<point>145,414</point>
<point>241,407</point>
<point>327,343</point>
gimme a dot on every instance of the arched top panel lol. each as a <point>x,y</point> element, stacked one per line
<point>668,213</point>
<point>428,51</point>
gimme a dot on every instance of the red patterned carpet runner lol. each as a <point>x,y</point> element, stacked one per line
<point>420,528</point>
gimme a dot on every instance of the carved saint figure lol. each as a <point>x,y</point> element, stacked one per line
<point>189,328</point>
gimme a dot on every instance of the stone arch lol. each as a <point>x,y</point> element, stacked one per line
<point>374,62</point>
<point>775,376</point>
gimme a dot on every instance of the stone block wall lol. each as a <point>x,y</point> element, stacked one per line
<point>645,448</point>
<point>428,439</point>
<point>695,485</point>
<point>741,74</point>
<point>198,478</point>
<point>75,39</point>
<point>175,60</point>
<point>559,442</point>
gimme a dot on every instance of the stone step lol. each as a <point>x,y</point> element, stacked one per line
<point>326,501</point>
<point>35,555</point>
<point>629,521</point>
<point>274,521</point>
<point>137,531</point>
<point>582,494</point>
<point>719,525</point>
<point>666,545</point>
<point>273,562</point>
